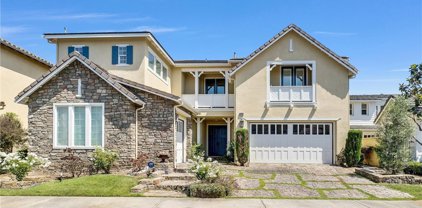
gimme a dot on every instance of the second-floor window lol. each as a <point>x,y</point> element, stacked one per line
<point>351,109</point>
<point>82,49</point>
<point>157,67</point>
<point>122,55</point>
<point>294,76</point>
<point>215,86</point>
<point>364,108</point>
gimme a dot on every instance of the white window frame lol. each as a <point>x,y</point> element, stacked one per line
<point>118,55</point>
<point>366,109</point>
<point>70,143</point>
<point>75,47</point>
<point>163,65</point>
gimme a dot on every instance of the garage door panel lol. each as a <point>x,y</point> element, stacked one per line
<point>295,143</point>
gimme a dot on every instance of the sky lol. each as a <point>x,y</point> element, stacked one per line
<point>382,38</point>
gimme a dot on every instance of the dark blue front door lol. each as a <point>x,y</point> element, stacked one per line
<point>217,140</point>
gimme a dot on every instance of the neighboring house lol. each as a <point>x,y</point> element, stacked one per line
<point>365,114</point>
<point>123,91</point>
<point>18,69</point>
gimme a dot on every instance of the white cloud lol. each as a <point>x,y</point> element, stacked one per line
<point>11,30</point>
<point>334,33</point>
<point>154,29</point>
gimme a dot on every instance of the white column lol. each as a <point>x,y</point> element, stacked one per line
<point>198,129</point>
<point>228,122</point>
<point>226,86</point>
<point>196,75</point>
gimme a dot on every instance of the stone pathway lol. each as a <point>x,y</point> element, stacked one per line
<point>307,181</point>
<point>382,191</point>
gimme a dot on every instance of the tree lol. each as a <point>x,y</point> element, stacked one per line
<point>395,132</point>
<point>352,151</point>
<point>11,132</point>
<point>413,90</point>
<point>242,146</point>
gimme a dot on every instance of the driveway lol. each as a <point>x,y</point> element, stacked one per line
<point>287,181</point>
<point>132,202</point>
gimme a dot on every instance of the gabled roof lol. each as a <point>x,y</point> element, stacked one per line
<point>371,97</point>
<point>75,56</point>
<point>387,102</point>
<point>24,52</point>
<point>145,88</point>
<point>293,27</point>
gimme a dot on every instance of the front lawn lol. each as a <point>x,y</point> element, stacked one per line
<point>414,190</point>
<point>96,185</point>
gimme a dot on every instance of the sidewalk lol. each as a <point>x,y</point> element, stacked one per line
<point>132,202</point>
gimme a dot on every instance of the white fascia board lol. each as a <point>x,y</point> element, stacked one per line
<point>206,69</point>
<point>202,65</point>
<point>291,119</point>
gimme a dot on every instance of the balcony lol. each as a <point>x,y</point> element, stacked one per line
<point>210,100</point>
<point>291,94</point>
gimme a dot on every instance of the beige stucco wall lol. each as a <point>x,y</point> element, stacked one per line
<point>17,72</point>
<point>100,53</point>
<point>332,88</point>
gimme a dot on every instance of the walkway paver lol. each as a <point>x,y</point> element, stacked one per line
<point>281,178</point>
<point>382,191</point>
<point>258,175</point>
<point>293,191</point>
<point>253,193</point>
<point>355,179</point>
<point>308,177</point>
<point>246,183</point>
<point>325,185</point>
<point>345,194</point>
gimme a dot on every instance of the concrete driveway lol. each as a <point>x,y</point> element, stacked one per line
<point>132,202</point>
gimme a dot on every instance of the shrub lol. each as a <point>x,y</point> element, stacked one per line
<point>230,152</point>
<point>414,168</point>
<point>207,171</point>
<point>139,163</point>
<point>72,163</point>
<point>352,151</point>
<point>395,133</point>
<point>227,182</point>
<point>196,150</point>
<point>11,132</point>
<point>242,146</point>
<point>104,159</point>
<point>21,166</point>
<point>207,190</point>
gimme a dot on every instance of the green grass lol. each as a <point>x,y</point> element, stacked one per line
<point>414,190</point>
<point>96,185</point>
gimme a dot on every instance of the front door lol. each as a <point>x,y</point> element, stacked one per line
<point>180,146</point>
<point>217,140</point>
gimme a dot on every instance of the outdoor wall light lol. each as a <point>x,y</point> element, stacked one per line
<point>2,105</point>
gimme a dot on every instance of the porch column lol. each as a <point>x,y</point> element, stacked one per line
<point>226,86</point>
<point>198,130</point>
<point>228,122</point>
<point>196,74</point>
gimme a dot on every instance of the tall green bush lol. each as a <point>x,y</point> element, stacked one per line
<point>352,151</point>
<point>395,133</point>
<point>11,132</point>
<point>242,146</point>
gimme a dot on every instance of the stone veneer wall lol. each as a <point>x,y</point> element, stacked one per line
<point>119,114</point>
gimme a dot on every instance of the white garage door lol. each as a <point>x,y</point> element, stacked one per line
<point>291,143</point>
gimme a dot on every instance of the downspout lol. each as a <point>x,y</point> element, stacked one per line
<point>174,131</point>
<point>136,130</point>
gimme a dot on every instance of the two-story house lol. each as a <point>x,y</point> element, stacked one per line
<point>123,91</point>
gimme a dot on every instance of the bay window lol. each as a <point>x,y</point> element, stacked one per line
<point>157,67</point>
<point>78,125</point>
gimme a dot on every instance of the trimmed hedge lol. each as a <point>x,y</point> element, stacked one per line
<point>414,168</point>
<point>242,146</point>
<point>207,190</point>
<point>352,151</point>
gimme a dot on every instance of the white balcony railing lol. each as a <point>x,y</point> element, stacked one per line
<point>291,94</point>
<point>210,100</point>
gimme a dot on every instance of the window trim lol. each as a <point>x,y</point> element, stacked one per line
<point>366,109</point>
<point>118,55</point>
<point>71,127</point>
<point>163,65</point>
